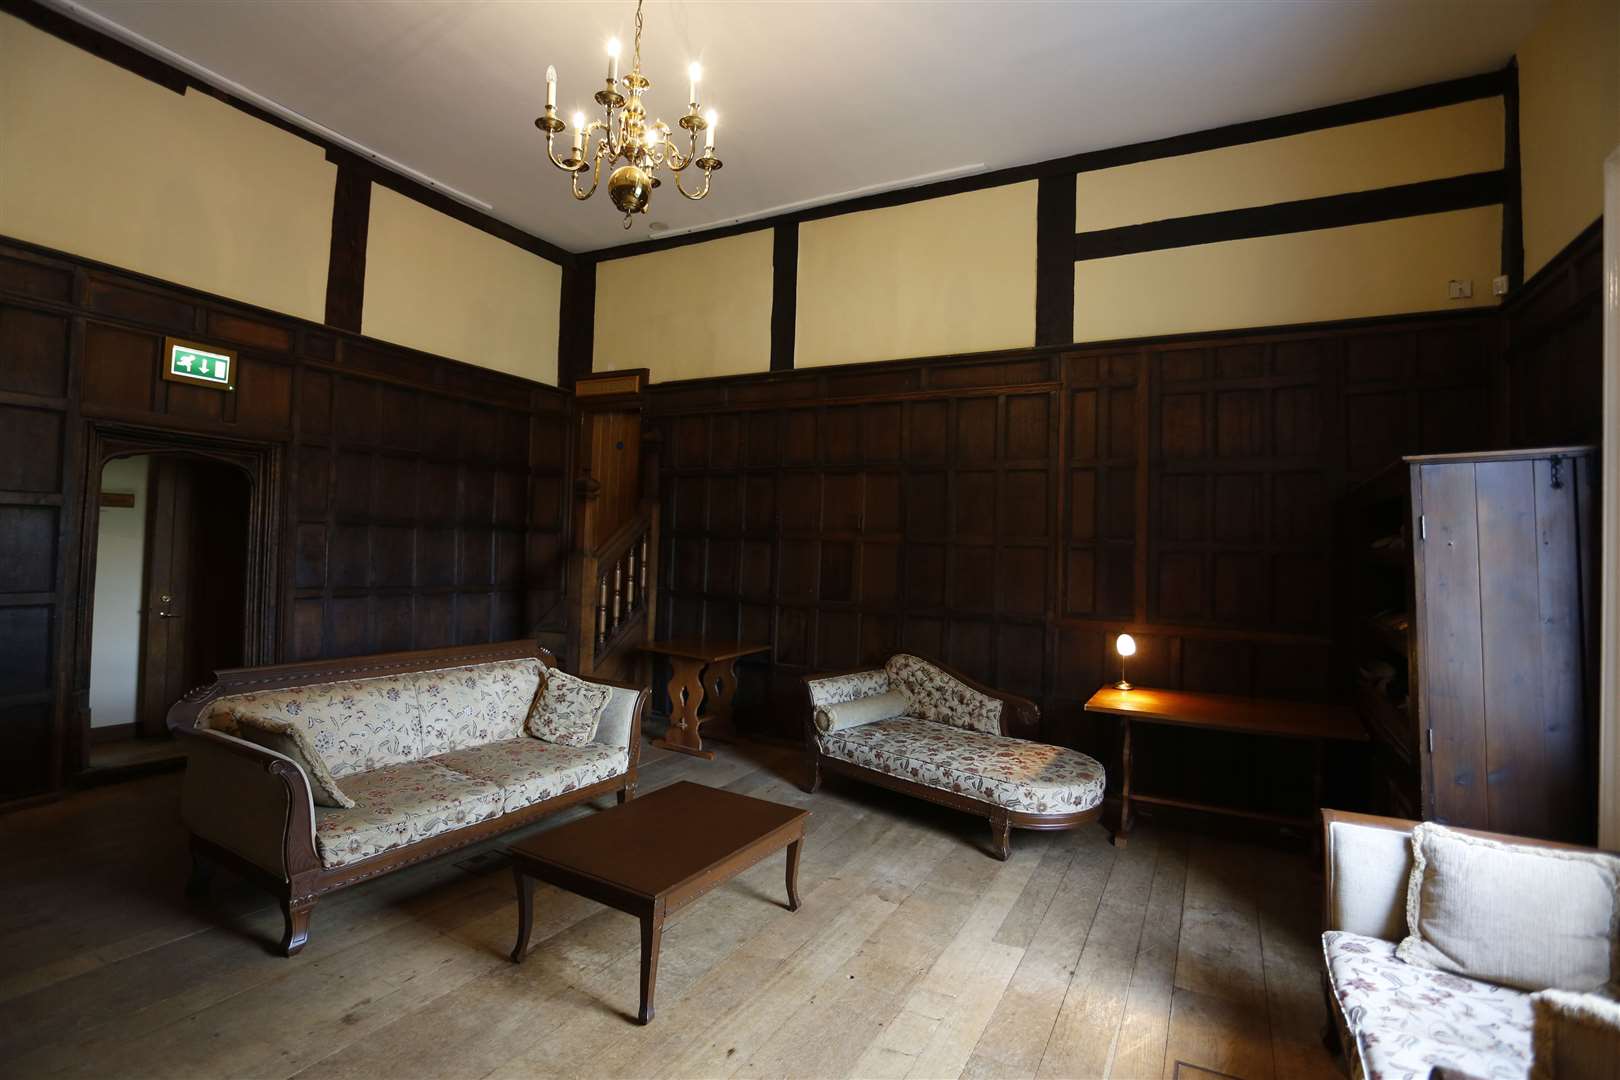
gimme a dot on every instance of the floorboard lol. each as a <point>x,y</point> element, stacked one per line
<point>916,954</point>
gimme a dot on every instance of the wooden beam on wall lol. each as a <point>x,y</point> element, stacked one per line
<point>784,295</point>
<point>576,322</point>
<point>1054,260</point>
<point>346,270</point>
<point>1513,197</point>
<point>1303,215</point>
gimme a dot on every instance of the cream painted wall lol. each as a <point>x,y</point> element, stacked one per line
<point>435,284</point>
<point>115,633</point>
<point>948,275</point>
<point>1569,121</point>
<point>1384,268</point>
<point>102,163</point>
<point>1429,145</point>
<point>709,304</point>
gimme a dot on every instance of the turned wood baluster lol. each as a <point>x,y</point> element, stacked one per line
<point>601,609</point>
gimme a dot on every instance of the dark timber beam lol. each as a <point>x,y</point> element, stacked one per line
<point>784,295</point>
<point>1054,260</point>
<point>346,268</point>
<point>576,321</point>
<point>1304,215</point>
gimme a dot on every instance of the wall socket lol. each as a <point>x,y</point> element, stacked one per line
<point>1460,290</point>
<point>1499,285</point>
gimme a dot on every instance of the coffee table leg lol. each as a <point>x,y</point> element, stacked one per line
<point>652,936</point>
<point>793,874</point>
<point>525,893</point>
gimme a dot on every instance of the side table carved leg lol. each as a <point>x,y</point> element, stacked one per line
<point>685,697</point>
<point>652,937</point>
<point>1122,828</point>
<point>793,873</point>
<point>720,683</point>
<point>525,898</point>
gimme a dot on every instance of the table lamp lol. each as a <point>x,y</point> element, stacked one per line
<point>1125,645</point>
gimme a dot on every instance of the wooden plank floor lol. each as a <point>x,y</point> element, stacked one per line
<point>916,954</point>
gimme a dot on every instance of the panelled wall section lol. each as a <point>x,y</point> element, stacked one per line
<point>1010,514</point>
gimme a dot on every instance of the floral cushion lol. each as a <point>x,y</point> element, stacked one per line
<point>530,770</point>
<point>1029,777</point>
<point>567,709</point>
<point>357,726</point>
<point>837,689</point>
<point>1402,1020</point>
<point>936,695</point>
<point>400,805</point>
<point>470,706</point>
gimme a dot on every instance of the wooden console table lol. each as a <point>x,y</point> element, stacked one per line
<point>1319,724</point>
<point>700,668</point>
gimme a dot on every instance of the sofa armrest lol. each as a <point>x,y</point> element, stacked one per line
<point>621,719</point>
<point>1368,861</point>
<point>248,800</point>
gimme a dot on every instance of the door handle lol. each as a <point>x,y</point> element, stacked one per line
<point>164,601</point>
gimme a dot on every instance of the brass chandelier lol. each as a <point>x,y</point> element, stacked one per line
<point>625,133</point>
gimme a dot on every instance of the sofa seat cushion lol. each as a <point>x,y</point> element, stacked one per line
<point>529,770</point>
<point>477,704</point>
<point>400,805</point>
<point>1029,777</point>
<point>1403,1020</point>
<point>357,726</point>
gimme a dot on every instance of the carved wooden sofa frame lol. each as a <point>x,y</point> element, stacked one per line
<point>1020,719</point>
<point>281,853</point>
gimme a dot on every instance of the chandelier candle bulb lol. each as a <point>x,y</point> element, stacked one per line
<point>713,120</point>
<point>613,60</point>
<point>696,74</point>
<point>551,89</point>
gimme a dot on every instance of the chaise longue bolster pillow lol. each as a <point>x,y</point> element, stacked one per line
<point>866,710</point>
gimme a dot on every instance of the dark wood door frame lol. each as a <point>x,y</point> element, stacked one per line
<point>259,461</point>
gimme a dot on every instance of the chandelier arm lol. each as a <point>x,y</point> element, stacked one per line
<point>551,152</point>
<point>705,190</point>
<point>596,179</point>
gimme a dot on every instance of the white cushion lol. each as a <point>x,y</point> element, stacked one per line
<point>529,770</point>
<point>1535,918</point>
<point>475,704</point>
<point>864,710</point>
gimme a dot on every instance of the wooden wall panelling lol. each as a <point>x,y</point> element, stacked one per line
<point>421,500</point>
<point>1553,349</point>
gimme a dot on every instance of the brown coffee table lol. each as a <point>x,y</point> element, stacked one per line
<point>632,859</point>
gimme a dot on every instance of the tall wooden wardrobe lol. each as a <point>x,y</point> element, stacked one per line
<point>1472,605</point>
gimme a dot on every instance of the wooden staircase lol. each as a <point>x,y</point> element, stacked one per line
<point>612,599</point>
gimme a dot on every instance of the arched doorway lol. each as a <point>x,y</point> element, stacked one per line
<point>175,583</point>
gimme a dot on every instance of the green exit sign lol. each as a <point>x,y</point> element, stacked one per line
<point>200,365</point>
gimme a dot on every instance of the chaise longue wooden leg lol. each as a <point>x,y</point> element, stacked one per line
<point>812,767</point>
<point>1001,834</point>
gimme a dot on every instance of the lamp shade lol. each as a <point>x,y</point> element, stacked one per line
<point>1125,645</point>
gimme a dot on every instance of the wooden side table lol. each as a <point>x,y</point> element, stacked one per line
<point>700,668</point>
<point>1316,723</point>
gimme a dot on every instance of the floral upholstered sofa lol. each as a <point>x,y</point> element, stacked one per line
<point>1406,994</point>
<point>312,777</point>
<point>918,727</point>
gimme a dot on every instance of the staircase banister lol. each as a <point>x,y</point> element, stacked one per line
<point>617,544</point>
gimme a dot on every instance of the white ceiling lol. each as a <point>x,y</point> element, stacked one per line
<point>818,101</point>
